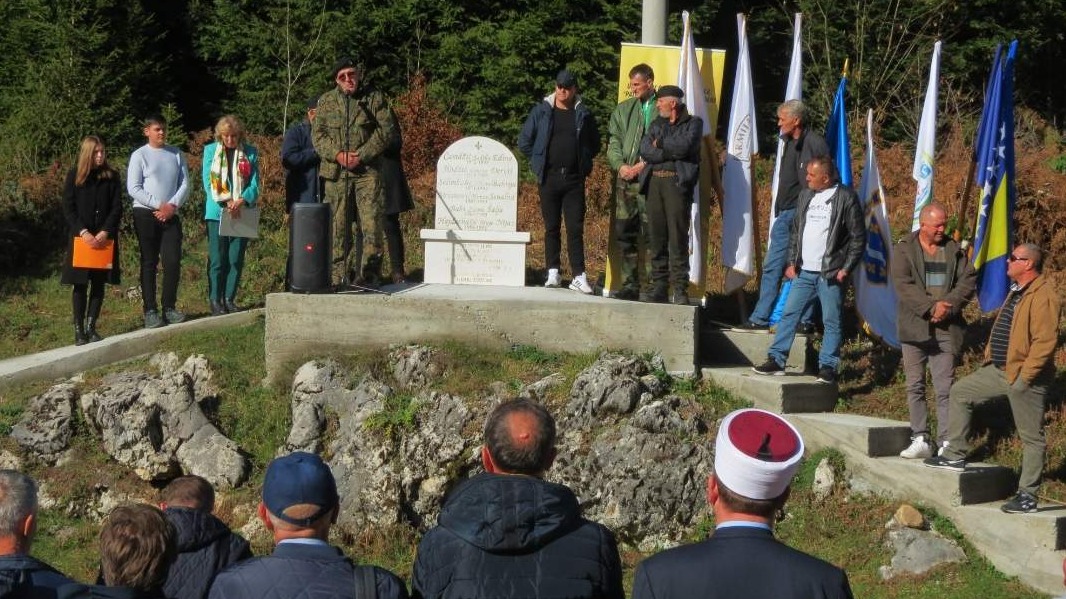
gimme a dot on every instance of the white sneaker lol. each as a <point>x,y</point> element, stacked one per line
<point>554,280</point>
<point>919,448</point>
<point>943,446</point>
<point>581,284</point>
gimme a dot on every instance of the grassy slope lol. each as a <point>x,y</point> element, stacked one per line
<point>844,529</point>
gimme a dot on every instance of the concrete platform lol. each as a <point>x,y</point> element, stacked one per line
<point>794,392</point>
<point>300,326</point>
<point>874,437</point>
<point>722,345</point>
<point>71,359</point>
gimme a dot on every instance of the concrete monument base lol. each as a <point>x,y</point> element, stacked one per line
<point>303,326</point>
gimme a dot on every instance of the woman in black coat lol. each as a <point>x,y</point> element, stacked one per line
<point>92,205</point>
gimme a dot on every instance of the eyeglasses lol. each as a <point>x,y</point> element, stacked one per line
<point>1013,258</point>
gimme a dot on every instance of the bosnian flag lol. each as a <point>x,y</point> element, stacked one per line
<point>741,145</point>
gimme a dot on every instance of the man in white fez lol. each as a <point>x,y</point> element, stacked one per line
<point>756,455</point>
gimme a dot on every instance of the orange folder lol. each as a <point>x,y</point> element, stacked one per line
<point>88,257</point>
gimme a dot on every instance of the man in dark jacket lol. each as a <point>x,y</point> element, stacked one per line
<point>299,506</point>
<point>825,246</point>
<point>20,574</point>
<point>205,543</point>
<point>509,533</point>
<point>671,149</point>
<point>302,183</point>
<point>933,280</point>
<point>756,454</point>
<point>298,156</point>
<point>560,138</point>
<point>801,144</point>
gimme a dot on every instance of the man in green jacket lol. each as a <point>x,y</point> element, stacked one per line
<point>1019,366</point>
<point>629,226</point>
<point>353,127</point>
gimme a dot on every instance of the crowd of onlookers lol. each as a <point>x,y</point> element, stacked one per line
<point>506,532</point>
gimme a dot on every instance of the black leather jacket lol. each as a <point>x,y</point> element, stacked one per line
<point>847,232</point>
<point>678,150</point>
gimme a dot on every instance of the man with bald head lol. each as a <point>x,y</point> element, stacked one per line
<point>933,281</point>
<point>509,533</point>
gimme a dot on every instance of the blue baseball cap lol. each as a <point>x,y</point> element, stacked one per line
<point>297,479</point>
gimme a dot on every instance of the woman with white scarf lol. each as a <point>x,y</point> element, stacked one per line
<point>231,182</point>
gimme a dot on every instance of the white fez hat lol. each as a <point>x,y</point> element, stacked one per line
<point>756,453</point>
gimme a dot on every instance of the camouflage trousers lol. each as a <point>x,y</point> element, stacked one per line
<point>357,204</point>
<point>630,229</point>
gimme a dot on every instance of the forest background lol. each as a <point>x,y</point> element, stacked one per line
<point>69,68</point>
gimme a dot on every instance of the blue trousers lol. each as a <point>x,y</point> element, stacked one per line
<point>773,269</point>
<point>806,287</point>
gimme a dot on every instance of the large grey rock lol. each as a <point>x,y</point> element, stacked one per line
<point>824,479</point>
<point>918,551</point>
<point>414,366</point>
<point>154,424</point>
<point>45,428</point>
<point>395,461</point>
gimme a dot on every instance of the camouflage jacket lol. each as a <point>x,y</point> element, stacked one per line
<point>369,129</point>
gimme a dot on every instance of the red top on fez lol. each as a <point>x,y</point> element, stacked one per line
<point>763,436</point>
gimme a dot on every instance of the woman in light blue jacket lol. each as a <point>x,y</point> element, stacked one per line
<point>231,183</point>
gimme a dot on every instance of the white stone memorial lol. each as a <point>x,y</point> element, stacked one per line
<point>474,240</point>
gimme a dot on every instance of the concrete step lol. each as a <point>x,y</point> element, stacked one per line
<point>787,394</point>
<point>874,437</point>
<point>721,345</point>
<point>980,483</point>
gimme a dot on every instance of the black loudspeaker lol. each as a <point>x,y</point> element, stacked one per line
<point>309,247</point>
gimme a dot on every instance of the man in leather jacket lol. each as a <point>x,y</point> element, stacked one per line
<point>825,246</point>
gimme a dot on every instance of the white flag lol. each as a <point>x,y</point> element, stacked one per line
<point>741,144</point>
<point>690,82</point>
<point>925,148</point>
<point>793,91</point>
<point>875,295</point>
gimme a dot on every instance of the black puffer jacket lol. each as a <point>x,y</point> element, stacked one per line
<point>515,536</point>
<point>205,546</point>
<point>673,147</point>
<point>26,576</point>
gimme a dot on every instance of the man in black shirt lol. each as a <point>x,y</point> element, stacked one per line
<point>801,144</point>
<point>560,138</point>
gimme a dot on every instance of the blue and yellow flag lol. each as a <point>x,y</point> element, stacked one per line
<point>836,132</point>
<point>995,180</point>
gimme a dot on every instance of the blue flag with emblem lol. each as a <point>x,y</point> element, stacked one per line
<point>836,132</point>
<point>995,181</point>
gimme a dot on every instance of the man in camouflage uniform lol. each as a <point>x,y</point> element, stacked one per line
<point>353,127</point>
<point>629,227</point>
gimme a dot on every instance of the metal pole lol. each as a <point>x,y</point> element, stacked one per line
<point>653,22</point>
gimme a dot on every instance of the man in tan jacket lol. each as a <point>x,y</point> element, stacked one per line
<point>1019,365</point>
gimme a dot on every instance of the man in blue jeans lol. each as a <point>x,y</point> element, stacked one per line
<point>801,144</point>
<point>825,246</point>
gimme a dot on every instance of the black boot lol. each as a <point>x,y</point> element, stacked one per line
<point>90,330</point>
<point>94,314</point>
<point>231,306</point>
<point>217,309</point>
<point>79,334</point>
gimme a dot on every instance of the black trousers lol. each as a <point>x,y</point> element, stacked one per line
<point>669,211</point>
<point>563,196</point>
<point>158,241</point>
<point>394,239</point>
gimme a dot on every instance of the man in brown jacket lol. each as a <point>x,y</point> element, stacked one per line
<point>1019,365</point>
<point>933,280</point>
